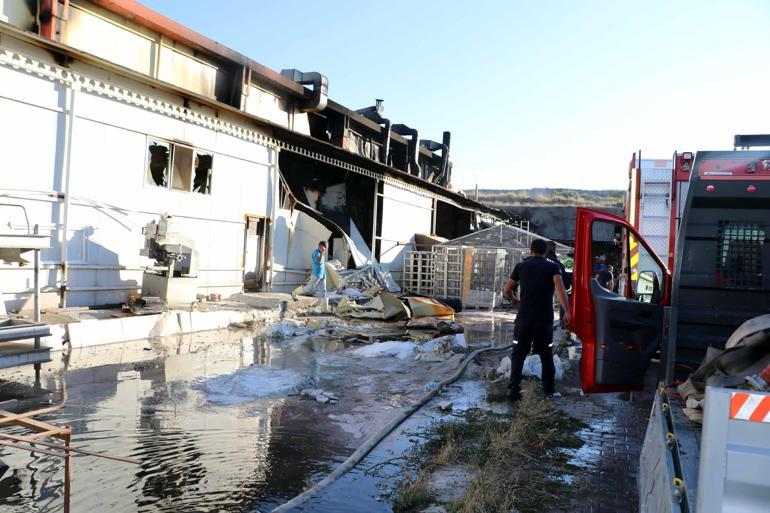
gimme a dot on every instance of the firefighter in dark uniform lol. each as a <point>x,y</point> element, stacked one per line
<point>536,278</point>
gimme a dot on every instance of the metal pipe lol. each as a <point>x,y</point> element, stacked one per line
<point>433,217</point>
<point>385,141</point>
<point>447,140</point>
<point>27,439</point>
<point>37,286</point>
<point>67,470</point>
<point>69,110</point>
<point>433,146</point>
<point>23,209</point>
<point>374,113</point>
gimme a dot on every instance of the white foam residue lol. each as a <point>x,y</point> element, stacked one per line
<point>399,349</point>
<point>533,367</point>
<point>248,384</point>
<point>288,328</point>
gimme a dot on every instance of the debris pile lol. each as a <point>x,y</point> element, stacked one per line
<point>369,278</point>
<point>384,306</point>
<point>445,344</point>
<point>434,350</point>
<point>288,328</point>
<point>399,349</point>
<point>319,396</point>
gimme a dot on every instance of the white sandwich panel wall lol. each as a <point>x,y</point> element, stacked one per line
<point>404,213</point>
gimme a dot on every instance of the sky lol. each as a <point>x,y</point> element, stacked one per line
<point>536,94</point>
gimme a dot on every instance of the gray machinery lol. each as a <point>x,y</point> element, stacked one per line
<point>174,279</point>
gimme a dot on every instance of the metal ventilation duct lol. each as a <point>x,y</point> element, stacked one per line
<point>320,86</point>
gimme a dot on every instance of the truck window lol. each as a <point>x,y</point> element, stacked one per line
<point>624,266</point>
<point>739,254</point>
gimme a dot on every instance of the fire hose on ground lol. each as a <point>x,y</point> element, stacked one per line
<point>372,442</point>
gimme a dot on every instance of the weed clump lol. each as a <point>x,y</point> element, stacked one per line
<point>518,459</point>
<point>412,495</point>
<point>498,391</point>
<point>525,462</point>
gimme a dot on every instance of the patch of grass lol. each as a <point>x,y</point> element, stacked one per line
<point>518,458</point>
<point>525,461</point>
<point>412,496</point>
<point>466,440</point>
<point>498,391</point>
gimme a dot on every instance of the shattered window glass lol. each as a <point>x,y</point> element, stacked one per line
<point>158,163</point>
<point>202,179</point>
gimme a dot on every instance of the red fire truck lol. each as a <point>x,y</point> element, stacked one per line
<point>674,296</point>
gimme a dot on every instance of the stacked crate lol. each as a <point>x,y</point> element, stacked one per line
<point>484,288</point>
<point>474,276</point>
<point>448,276</point>
<point>419,272</point>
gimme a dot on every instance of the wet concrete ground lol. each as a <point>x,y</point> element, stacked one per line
<point>616,425</point>
<point>160,401</point>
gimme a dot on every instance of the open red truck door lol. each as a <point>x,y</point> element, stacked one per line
<point>619,290</point>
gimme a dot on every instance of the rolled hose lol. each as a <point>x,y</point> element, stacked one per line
<point>365,448</point>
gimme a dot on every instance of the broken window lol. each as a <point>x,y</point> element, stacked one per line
<point>202,180</point>
<point>178,167</point>
<point>182,164</point>
<point>158,163</point>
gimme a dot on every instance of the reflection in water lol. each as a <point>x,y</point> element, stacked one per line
<point>481,327</point>
<point>136,399</point>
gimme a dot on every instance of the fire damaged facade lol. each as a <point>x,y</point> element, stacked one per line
<point>113,115</point>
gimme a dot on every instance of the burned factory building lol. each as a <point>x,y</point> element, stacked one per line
<point>146,119</point>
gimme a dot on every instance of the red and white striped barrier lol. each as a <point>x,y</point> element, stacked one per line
<point>751,407</point>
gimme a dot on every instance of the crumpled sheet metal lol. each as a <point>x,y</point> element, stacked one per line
<point>429,307</point>
<point>365,277</point>
<point>386,306</point>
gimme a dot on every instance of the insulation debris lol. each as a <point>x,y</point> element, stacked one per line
<point>532,367</point>
<point>319,396</point>
<point>445,344</point>
<point>249,384</point>
<point>401,350</point>
<point>288,328</point>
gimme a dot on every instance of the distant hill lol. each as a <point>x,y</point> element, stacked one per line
<point>551,212</point>
<point>543,197</point>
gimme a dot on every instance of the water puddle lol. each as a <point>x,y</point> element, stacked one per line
<point>208,415</point>
<point>216,421</point>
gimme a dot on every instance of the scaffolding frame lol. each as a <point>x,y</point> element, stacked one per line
<point>36,441</point>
